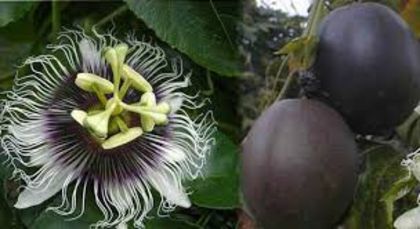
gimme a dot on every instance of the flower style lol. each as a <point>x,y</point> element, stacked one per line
<point>104,116</point>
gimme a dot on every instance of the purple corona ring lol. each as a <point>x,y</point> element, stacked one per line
<point>107,117</point>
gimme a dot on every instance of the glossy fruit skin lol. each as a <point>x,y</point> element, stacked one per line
<point>299,167</point>
<point>368,65</point>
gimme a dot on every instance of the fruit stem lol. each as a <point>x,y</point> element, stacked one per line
<point>289,80</point>
<point>315,17</point>
<point>314,20</point>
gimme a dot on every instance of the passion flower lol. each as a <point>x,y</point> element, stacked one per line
<point>105,116</point>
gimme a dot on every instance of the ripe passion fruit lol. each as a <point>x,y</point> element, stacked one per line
<point>299,167</point>
<point>368,66</point>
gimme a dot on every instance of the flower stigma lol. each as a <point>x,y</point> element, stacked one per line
<point>112,112</point>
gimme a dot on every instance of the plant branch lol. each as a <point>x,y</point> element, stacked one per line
<point>111,16</point>
<point>55,18</point>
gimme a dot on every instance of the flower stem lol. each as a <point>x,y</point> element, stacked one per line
<point>286,86</point>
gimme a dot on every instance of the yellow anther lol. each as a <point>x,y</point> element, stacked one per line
<point>121,50</point>
<point>158,118</point>
<point>163,107</point>
<point>137,80</point>
<point>88,82</point>
<point>112,58</point>
<point>148,99</point>
<point>79,116</point>
<point>122,138</point>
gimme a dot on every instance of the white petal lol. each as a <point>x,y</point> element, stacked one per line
<point>39,157</point>
<point>32,197</point>
<point>169,188</point>
<point>417,109</point>
<point>90,55</point>
<point>415,168</point>
<point>121,226</point>
<point>172,153</point>
<point>175,103</point>
<point>409,220</point>
<point>175,154</point>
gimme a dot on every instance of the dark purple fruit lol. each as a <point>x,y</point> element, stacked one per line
<point>368,65</point>
<point>299,167</point>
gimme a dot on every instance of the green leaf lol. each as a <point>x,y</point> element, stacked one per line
<point>7,219</point>
<point>219,187</point>
<point>301,52</point>
<point>380,185</point>
<point>16,42</point>
<point>12,11</point>
<point>5,168</point>
<point>409,131</point>
<point>162,223</point>
<point>51,220</point>
<point>204,30</point>
<point>398,190</point>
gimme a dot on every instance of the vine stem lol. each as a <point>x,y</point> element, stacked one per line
<point>55,18</point>
<point>315,17</point>
<point>110,16</point>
